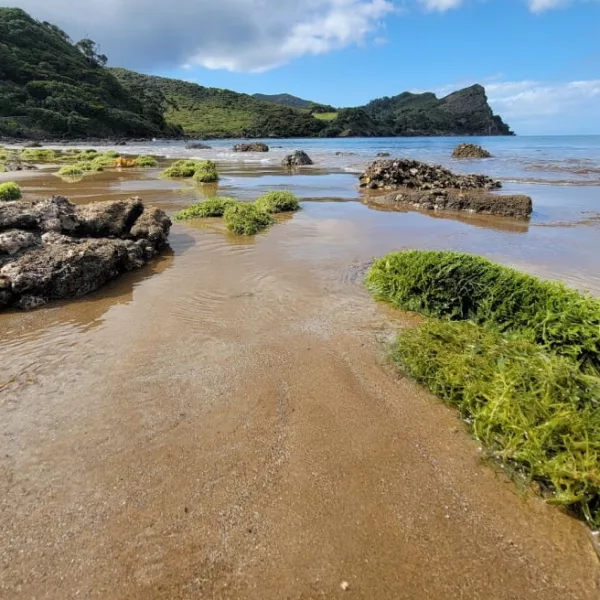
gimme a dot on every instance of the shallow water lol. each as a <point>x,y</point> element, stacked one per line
<point>560,160</point>
<point>220,424</point>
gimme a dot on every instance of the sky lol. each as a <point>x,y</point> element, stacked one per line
<point>539,60</point>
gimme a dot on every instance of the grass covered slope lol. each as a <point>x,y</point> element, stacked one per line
<point>461,286</point>
<point>217,113</point>
<point>518,356</point>
<point>52,87</point>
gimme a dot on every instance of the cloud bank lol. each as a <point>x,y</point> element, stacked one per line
<point>237,35</point>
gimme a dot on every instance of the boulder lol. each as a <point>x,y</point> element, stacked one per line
<point>470,151</point>
<point>454,200</point>
<point>412,174</point>
<point>197,146</point>
<point>52,248</point>
<point>252,147</point>
<point>19,166</point>
<point>298,158</point>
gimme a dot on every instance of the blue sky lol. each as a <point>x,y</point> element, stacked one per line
<point>538,59</point>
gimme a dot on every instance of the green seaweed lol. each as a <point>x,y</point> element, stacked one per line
<point>213,207</point>
<point>70,171</point>
<point>146,161</point>
<point>459,286</point>
<point>277,202</point>
<point>9,191</point>
<point>246,219</point>
<point>38,155</point>
<point>535,411</point>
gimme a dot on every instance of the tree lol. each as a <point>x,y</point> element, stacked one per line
<point>89,49</point>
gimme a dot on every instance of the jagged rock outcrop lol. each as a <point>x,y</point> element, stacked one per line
<point>412,174</point>
<point>253,147</point>
<point>468,151</point>
<point>52,248</point>
<point>432,187</point>
<point>298,158</point>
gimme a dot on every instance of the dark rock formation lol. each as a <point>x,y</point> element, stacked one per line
<point>383,154</point>
<point>19,166</point>
<point>197,146</point>
<point>472,201</point>
<point>470,151</point>
<point>51,249</point>
<point>298,158</point>
<point>412,174</point>
<point>252,147</point>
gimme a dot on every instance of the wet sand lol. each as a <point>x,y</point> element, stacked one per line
<point>223,424</point>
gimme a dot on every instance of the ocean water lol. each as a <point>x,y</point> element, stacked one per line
<point>560,160</point>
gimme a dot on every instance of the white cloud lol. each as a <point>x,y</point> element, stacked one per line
<point>441,5</point>
<point>238,35</point>
<point>542,5</point>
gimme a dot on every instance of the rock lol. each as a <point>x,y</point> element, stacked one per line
<point>345,153</point>
<point>14,240</point>
<point>412,174</point>
<point>383,154</point>
<point>19,166</point>
<point>51,249</point>
<point>252,147</point>
<point>454,200</point>
<point>32,145</point>
<point>197,146</point>
<point>470,151</point>
<point>298,158</point>
<point>107,219</point>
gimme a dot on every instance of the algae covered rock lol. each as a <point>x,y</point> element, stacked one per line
<point>277,202</point>
<point>246,219</point>
<point>470,151</point>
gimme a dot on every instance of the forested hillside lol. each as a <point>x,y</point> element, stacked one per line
<point>50,86</point>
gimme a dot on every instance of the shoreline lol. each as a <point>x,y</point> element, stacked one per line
<point>175,469</point>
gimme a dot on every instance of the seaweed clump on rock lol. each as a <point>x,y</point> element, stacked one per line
<point>52,249</point>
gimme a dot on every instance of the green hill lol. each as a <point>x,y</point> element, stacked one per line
<point>212,112</point>
<point>284,100</point>
<point>465,112</point>
<point>50,87</point>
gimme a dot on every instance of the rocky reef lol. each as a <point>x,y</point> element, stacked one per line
<point>253,147</point>
<point>432,187</point>
<point>405,172</point>
<point>472,201</point>
<point>298,158</point>
<point>52,249</point>
<point>470,151</point>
